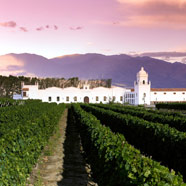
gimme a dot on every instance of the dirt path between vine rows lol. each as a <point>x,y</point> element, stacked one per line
<point>62,163</point>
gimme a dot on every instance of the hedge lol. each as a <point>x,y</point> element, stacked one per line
<point>114,161</point>
<point>175,106</point>
<point>163,143</point>
<point>176,121</point>
<point>6,102</point>
<point>20,147</point>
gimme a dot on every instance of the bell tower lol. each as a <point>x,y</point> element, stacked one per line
<point>86,86</point>
<point>142,88</point>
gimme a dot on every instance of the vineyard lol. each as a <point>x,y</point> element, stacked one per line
<point>175,106</point>
<point>123,145</point>
<point>24,131</point>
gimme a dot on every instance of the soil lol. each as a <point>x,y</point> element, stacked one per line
<point>62,162</point>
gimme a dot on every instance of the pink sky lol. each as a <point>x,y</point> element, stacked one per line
<point>58,27</point>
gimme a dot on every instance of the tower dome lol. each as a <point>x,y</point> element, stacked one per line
<point>142,72</point>
<point>142,76</point>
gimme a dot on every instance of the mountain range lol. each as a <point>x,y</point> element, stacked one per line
<point>121,69</point>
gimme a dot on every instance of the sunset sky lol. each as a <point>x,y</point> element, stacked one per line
<point>58,27</point>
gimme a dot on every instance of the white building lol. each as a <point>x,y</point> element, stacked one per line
<point>74,95</point>
<point>141,94</point>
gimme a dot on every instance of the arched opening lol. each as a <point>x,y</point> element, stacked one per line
<point>86,99</point>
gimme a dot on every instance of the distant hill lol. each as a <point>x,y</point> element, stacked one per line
<point>121,69</point>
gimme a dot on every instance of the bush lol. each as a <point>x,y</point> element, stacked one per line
<point>163,143</point>
<point>114,161</point>
<point>22,145</point>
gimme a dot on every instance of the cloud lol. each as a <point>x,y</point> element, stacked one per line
<point>180,2</point>
<point>183,60</point>
<point>8,60</point>
<point>164,13</point>
<point>55,27</point>
<point>26,74</point>
<point>10,65</point>
<point>76,28</point>
<point>24,29</point>
<point>90,43</point>
<point>164,54</point>
<point>40,28</point>
<point>11,24</point>
<point>107,50</point>
<point>116,23</point>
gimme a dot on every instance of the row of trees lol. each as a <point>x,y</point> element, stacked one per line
<point>10,85</point>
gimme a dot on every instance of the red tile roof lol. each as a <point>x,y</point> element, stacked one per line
<point>25,89</point>
<point>168,89</point>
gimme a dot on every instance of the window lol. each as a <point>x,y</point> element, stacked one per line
<point>67,98</point>
<point>58,98</point>
<point>144,94</point>
<point>105,98</point>
<point>113,98</point>
<point>49,98</point>
<point>121,98</point>
<point>75,98</point>
<point>143,81</point>
<point>97,98</point>
<point>24,94</point>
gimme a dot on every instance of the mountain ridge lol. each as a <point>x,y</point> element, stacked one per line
<point>121,68</point>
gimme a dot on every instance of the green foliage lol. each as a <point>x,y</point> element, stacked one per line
<point>163,143</point>
<point>173,119</point>
<point>114,161</point>
<point>175,106</point>
<point>6,102</point>
<point>142,108</point>
<point>29,128</point>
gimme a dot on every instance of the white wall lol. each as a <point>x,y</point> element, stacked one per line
<point>168,96</point>
<point>71,92</point>
<point>32,93</point>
